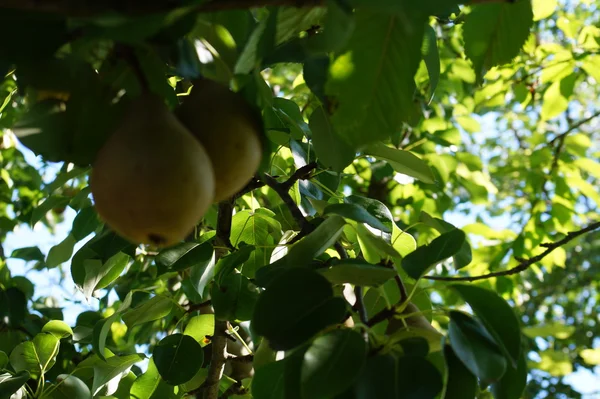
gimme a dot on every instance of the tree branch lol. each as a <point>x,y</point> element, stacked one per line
<point>210,387</point>
<point>282,190</point>
<point>574,127</point>
<point>524,263</point>
<point>136,7</point>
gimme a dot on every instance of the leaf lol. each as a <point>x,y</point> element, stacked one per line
<point>385,376</point>
<point>591,356</point>
<point>403,242</point>
<point>268,381</point>
<point>331,149</point>
<point>555,330</point>
<point>69,386</point>
<point>61,252</point>
<point>295,306</point>
<point>543,9</point>
<point>461,383</point>
<point>374,207</point>
<point>357,213</point>
<point>475,348</point>
<point>150,385</point>
<point>331,364</point>
<point>100,332</point>
<point>496,315</point>
<point>513,382</point>
<point>464,256</point>
<point>201,274</point>
<point>85,223</point>
<point>54,201</point>
<point>28,254</point>
<point>234,298</point>
<point>113,368</point>
<point>3,360</point>
<point>557,96</point>
<point>98,275</point>
<point>201,328</point>
<point>372,82</point>
<point>185,255</point>
<point>431,56</point>
<point>58,328</point>
<point>178,358</point>
<point>420,261</point>
<point>373,248</point>
<point>36,356</point>
<point>155,308</point>
<point>494,33</point>
<point>402,161</point>
<point>10,384</point>
<point>357,272</point>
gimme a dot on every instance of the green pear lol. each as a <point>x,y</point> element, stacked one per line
<point>152,181</point>
<point>230,130</point>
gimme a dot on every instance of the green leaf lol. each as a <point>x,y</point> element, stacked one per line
<point>61,253</point>
<point>431,56</point>
<point>234,298</point>
<point>374,207</point>
<point>201,328</point>
<point>543,9</point>
<point>513,382</point>
<point>85,223</point>
<point>54,201</point>
<point>155,308</point>
<point>496,315</point>
<point>10,384</point>
<point>185,255</point>
<point>557,96</point>
<point>331,149</point>
<point>494,33</point>
<point>420,261</point>
<point>385,376</point>
<point>58,328</point>
<point>100,332</point>
<point>3,360</point>
<point>114,367</point>
<point>339,24</point>
<point>357,213</point>
<point>98,275</point>
<point>463,257</point>
<point>356,272</point>
<point>28,254</point>
<point>402,161</point>
<point>296,305</point>
<point>178,358</point>
<point>555,330</point>
<point>461,383</point>
<point>150,385</point>
<point>475,348</point>
<point>373,80</point>
<point>403,242</point>
<point>69,386</point>
<point>373,248</point>
<point>268,381</point>
<point>36,356</point>
<point>331,364</point>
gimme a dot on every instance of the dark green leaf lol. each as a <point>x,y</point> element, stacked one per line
<point>331,149</point>
<point>431,56</point>
<point>475,348</point>
<point>513,382</point>
<point>178,358</point>
<point>85,223</point>
<point>496,315</point>
<point>28,254</point>
<point>296,305</point>
<point>420,261</point>
<point>114,365</point>
<point>186,255</point>
<point>9,384</point>
<point>463,257</point>
<point>402,161</point>
<point>150,385</point>
<point>461,383</point>
<point>357,213</point>
<point>269,381</point>
<point>357,272</point>
<point>69,386</point>
<point>155,308</point>
<point>234,298</point>
<point>100,332</point>
<point>60,253</point>
<point>494,33</point>
<point>331,363</point>
<point>374,207</point>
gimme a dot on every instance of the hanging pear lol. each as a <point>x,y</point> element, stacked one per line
<point>230,130</point>
<point>152,181</point>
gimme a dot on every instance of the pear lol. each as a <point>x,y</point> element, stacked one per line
<point>152,181</point>
<point>230,130</point>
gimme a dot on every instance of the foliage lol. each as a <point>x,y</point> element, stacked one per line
<point>430,178</point>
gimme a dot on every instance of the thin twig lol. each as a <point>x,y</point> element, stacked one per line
<point>574,127</point>
<point>235,389</point>
<point>402,289</point>
<point>192,307</point>
<point>524,263</point>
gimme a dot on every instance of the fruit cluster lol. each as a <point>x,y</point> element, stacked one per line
<point>160,171</point>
